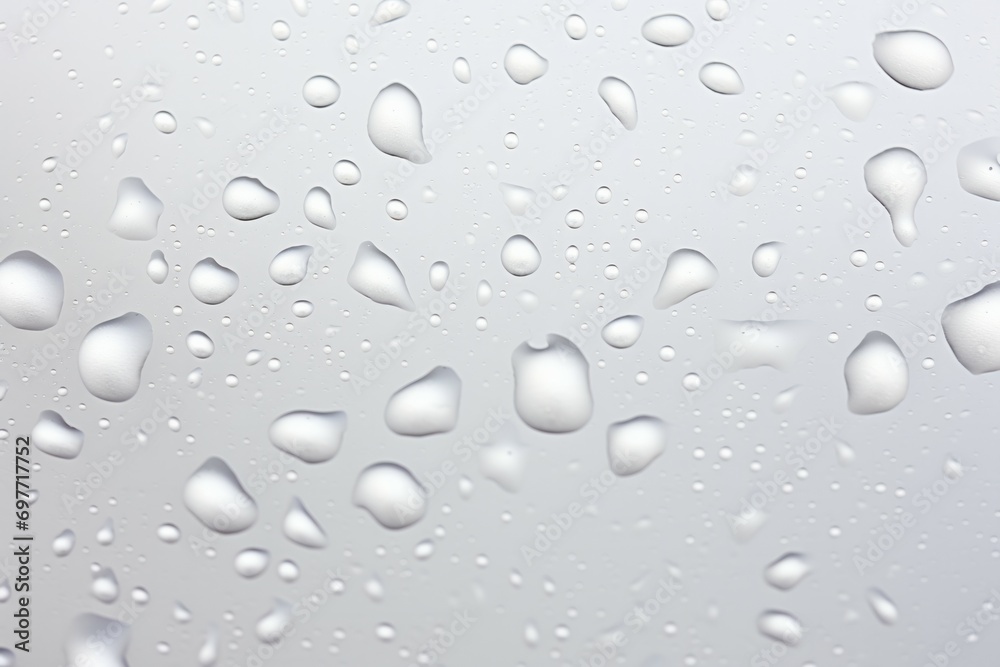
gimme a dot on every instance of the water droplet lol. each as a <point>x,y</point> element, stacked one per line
<point>523,64</point>
<point>112,355</point>
<point>972,328</point>
<point>289,267</point>
<point>552,386</point>
<point>377,277</point>
<point>504,462</point>
<point>623,332</point>
<point>395,124</point>
<point>721,78</point>
<point>211,283</point>
<point>137,211</point>
<point>766,257</point>
<point>687,272</point>
<point>97,641</point>
<point>32,291</point>
<point>896,178</point>
<point>346,173</point>
<point>780,626</point>
<point>426,406</point>
<point>169,533</point>
<point>635,443</point>
<point>438,275</point>
<point>251,562</point>
<point>620,99</point>
<point>320,91</point>
<point>391,494</point>
<point>318,208</point>
<point>575,26</point>
<point>389,10</point>
<point>214,495</point>
<point>854,99</point>
<point>63,543</point>
<point>313,437</point>
<point>913,58</point>
<point>104,586</point>
<point>979,168</point>
<point>276,624</point>
<point>157,268</point>
<point>876,374</point>
<point>484,293</point>
<point>520,256</point>
<point>300,527</point>
<point>668,30</point>
<point>165,122</point>
<point>885,609</point>
<point>246,198</point>
<point>787,571</point>
<point>462,71</point>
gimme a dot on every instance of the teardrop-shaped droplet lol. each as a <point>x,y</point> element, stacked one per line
<point>300,527</point>
<point>318,208</point>
<point>623,332</point>
<point>484,292</point>
<point>346,172</point>
<point>104,585</point>
<point>854,99</point>
<point>200,344</point>
<point>63,543</point>
<point>276,624</point>
<point>877,375</point>
<point>972,328</point>
<point>313,437</point>
<point>427,405</point>
<point>687,273</point>
<point>668,30</point>
<point>787,571</point>
<point>251,562</point>
<point>112,355</point>
<point>896,178</point>
<point>377,277</point>
<point>246,198</point>
<point>635,443</point>
<point>119,144</point>
<point>157,268</point>
<point>979,168</point>
<point>391,494</point>
<point>438,275</point>
<point>552,386</point>
<point>913,58</point>
<point>721,78</point>
<point>395,124</point>
<point>106,533</point>
<point>208,654</point>
<point>52,435</point>
<point>520,256</point>
<point>766,258</point>
<point>215,496</point>
<point>97,641</point>
<point>462,71</point>
<point>523,64</point>
<point>137,211</point>
<point>289,267</point>
<point>211,283</point>
<point>885,610</point>
<point>31,291</point>
<point>620,99</point>
<point>780,626</point>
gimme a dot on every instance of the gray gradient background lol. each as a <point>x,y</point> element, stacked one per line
<point>940,571</point>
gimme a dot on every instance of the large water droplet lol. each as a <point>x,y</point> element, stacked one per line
<point>876,374</point>
<point>112,355</point>
<point>687,272</point>
<point>246,198</point>
<point>438,275</point>
<point>137,211</point>
<point>377,277</point>
<point>313,437</point>
<point>211,283</point>
<point>427,405</point>
<point>31,291</point>
<point>766,257</point>
<point>721,78</point>
<point>780,626</point>
<point>623,332</point>
<point>395,124</point>
<point>251,562</point>
<point>786,572</point>
<point>523,64</point>
<point>896,178</point>
<point>391,494</point>
<point>52,435</point>
<point>216,498</point>
<point>913,58</point>
<point>620,99</point>
<point>520,256</point>
<point>635,443</point>
<point>552,386</point>
<point>972,328</point>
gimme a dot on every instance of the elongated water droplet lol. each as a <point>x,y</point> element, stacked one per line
<point>687,272</point>
<point>273,626</point>
<point>896,178</point>
<point>157,268</point>
<point>137,211</point>
<point>780,626</point>
<point>427,405</point>
<point>787,571</point>
<point>721,78</point>
<point>885,609</point>
<point>112,355</point>
<point>620,99</point>
<point>389,10</point>
<point>395,124</point>
<point>377,277</point>
<point>462,71</point>
<point>913,58</point>
<point>300,527</point>
<point>119,144</point>
<point>214,495</point>
<point>31,291</point>
<point>877,375</point>
<point>552,386</point>
<point>766,257</point>
<point>484,293</point>
<point>313,437</point>
<point>668,30</point>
